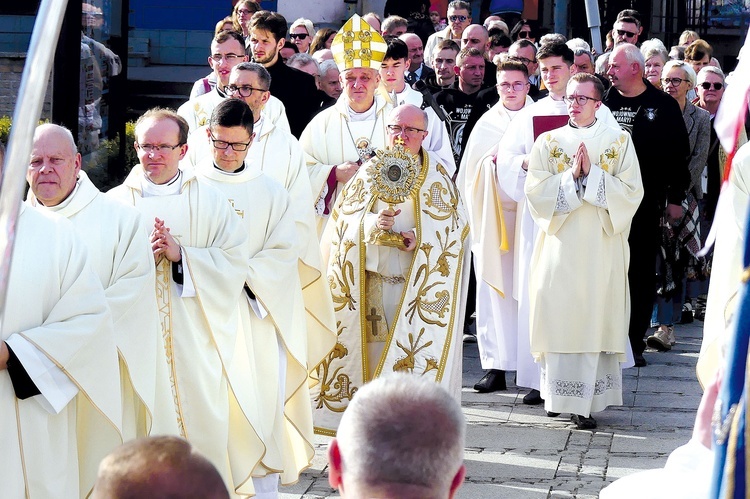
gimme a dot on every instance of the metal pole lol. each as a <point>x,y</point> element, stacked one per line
<point>31,94</point>
<point>592,15</point>
<point>560,15</point>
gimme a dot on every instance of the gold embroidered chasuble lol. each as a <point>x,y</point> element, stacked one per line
<point>121,257</point>
<point>200,332</point>
<point>424,335</point>
<point>272,274</point>
<point>55,302</point>
<point>579,268</point>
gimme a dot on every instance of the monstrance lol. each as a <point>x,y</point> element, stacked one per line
<point>395,175</point>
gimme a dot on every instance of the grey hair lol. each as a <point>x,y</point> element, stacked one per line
<point>684,66</point>
<point>579,51</point>
<point>61,129</point>
<point>308,24</point>
<point>654,47</point>
<point>552,38</point>
<point>633,54</point>
<point>302,59</point>
<point>711,69</point>
<point>327,65</point>
<point>402,429</point>
<point>578,43</point>
<point>263,75</point>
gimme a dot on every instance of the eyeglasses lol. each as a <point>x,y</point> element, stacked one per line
<point>460,19</point>
<point>236,146</point>
<point>516,86</point>
<point>230,58</point>
<point>581,100</point>
<point>706,85</point>
<point>157,148</point>
<point>410,130</point>
<point>524,60</point>
<point>244,12</point>
<point>243,90</point>
<point>628,34</point>
<point>524,34</point>
<point>675,82</point>
<point>301,36</point>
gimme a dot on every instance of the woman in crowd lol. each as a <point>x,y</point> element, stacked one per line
<point>242,13</point>
<point>301,34</point>
<point>655,54</point>
<point>322,40</point>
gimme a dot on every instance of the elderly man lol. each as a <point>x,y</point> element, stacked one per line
<point>583,188</point>
<point>653,119</point>
<point>330,83</point>
<point>387,447</point>
<point>492,219</point>
<point>398,305</point>
<point>201,254</point>
<point>272,321</point>
<point>417,69</point>
<point>511,166</point>
<point>121,258</point>
<point>59,380</point>
<point>158,467</point>
<point>339,139</point>
<point>459,17</point>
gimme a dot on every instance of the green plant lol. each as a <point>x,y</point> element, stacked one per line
<point>4,128</point>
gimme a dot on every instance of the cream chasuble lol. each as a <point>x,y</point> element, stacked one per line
<point>726,273</point>
<point>198,111</point>
<point>122,259</point>
<point>513,148</point>
<point>57,304</point>
<point>200,331</point>
<point>578,284</point>
<point>332,138</point>
<point>492,218</point>
<point>272,275</point>
<point>423,319</point>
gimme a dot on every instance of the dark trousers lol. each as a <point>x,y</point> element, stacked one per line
<point>644,244</point>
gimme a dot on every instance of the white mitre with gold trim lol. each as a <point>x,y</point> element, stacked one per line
<point>357,45</point>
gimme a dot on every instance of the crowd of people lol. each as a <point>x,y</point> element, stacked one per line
<point>334,206</point>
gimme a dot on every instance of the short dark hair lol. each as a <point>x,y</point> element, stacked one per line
<point>165,113</point>
<point>263,75</point>
<point>628,19</point>
<point>590,78</point>
<point>290,45</point>
<point>556,50</point>
<point>634,15</point>
<point>397,49</point>
<point>467,52</point>
<point>523,42</point>
<point>447,44</point>
<point>500,40</point>
<point>231,113</point>
<point>513,64</point>
<point>273,22</point>
<point>226,35</point>
<point>460,5</point>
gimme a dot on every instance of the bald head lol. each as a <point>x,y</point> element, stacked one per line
<point>476,36</point>
<point>412,123</point>
<point>54,164</point>
<point>416,50</point>
<point>158,468</point>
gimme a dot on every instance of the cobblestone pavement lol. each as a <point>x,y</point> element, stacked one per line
<point>516,451</point>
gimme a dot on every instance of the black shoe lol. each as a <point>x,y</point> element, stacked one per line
<point>493,381</point>
<point>582,422</point>
<point>533,398</point>
<point>551,414</point>
<point>639,360</point>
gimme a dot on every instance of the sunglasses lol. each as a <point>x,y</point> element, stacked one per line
<point>628,34</point>
<point>524,34</point>
<point>301,36</point>
<point>460,19</point>
<point>707,85</point>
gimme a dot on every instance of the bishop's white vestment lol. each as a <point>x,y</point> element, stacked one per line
<point>199,318</point>
<point>492,218</point>
<point>513,149</point>
<point>578,281</point>
<point>58,324</point>
<point>396,311</point>
<point>121,257</point>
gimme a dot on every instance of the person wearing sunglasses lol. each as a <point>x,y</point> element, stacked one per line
<point>459,18</point>
<point>678,256</point>
<point>301,34</point>
<point>524,30</point>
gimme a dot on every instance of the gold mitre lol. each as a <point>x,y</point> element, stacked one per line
<point>357,45</point>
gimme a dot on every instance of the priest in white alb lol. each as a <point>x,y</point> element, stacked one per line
<point>273,341</point>
<point>201,253</point>
<point>399,306</point>
<point>121,257</point>
<point>583,188</point>
<point>492,218</point>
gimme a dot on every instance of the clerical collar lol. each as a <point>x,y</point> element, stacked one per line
<point>258,126</point>
<point>236,172</point>
<point>570,122</point>
<point>65,202</point>
<point>364,116</point>
<point>222,94</point>
<point>170,188</point>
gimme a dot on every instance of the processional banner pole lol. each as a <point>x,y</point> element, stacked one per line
<point>31,94</point>
<point>594,22</point>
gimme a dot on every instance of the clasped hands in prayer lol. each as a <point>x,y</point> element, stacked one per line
<point>163,244</point>
<point>385,221</point>
<point>581,162</point>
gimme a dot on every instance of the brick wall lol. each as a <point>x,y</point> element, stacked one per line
<point>11,67</point>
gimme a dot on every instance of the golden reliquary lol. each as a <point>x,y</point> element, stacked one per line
<point>395,174</point>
